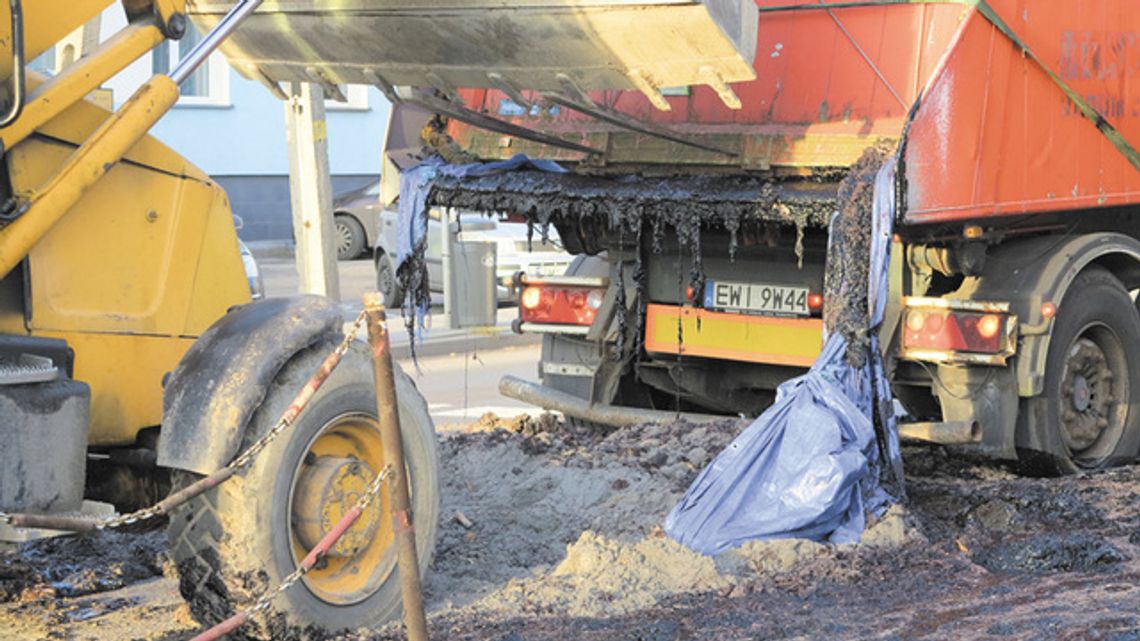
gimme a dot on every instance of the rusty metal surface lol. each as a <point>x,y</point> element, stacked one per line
<point>943,433</point>
<point>1012,110</point>
<point>828,85</point>
<point>448,44</point>
<point>407,556</point>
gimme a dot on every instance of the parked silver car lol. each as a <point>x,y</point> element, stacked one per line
<point>356,216</point>
<point>513,252</point>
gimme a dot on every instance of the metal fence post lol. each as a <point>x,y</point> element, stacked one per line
<point>406,554</point>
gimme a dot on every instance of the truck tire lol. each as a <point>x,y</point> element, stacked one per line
<point>240,540</point>
<point>1089,415</point>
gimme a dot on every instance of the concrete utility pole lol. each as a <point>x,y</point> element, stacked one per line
<point>310,189</point>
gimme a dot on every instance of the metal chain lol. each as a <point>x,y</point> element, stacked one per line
<point>144,514</point>
<point>242,459</point>
<point>362,505</point>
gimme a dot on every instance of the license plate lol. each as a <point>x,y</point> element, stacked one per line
<point>757,298</point>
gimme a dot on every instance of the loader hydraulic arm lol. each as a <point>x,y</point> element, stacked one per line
<point>19,85</point>
<point>36,213</point>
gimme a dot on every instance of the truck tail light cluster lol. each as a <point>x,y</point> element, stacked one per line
<point>947,331</point>
<point>562,301</point>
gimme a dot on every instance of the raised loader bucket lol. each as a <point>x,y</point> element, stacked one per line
<point>545,45</point>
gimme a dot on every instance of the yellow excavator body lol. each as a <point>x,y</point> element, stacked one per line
<point>147,256</point>
<point>128,282</point>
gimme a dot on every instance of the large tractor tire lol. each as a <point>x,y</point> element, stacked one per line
<point>1089,416</point>
<point>240,540</point>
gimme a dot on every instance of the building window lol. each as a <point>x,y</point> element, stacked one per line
<point>209,85</point>
<point>357,99</point>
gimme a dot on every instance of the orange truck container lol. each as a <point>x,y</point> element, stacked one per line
<point>701,213</point>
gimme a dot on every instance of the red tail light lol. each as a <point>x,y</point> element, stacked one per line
<point>560,304</point>
<point>958,331</point>
<point>815,304</point>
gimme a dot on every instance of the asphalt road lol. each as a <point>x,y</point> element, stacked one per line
<point>459,370</point>
<point>463,386</point>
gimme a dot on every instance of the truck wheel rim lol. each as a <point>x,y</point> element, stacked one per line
<point>338,464</point>
<point>1094,395</point>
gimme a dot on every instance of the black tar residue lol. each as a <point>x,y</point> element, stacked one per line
<point>632,207</point>
<point>845,280</point>
<point>82,564</point>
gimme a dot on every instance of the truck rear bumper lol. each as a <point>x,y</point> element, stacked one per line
<point>689,331</point>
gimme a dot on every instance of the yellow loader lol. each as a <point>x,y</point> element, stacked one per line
<point>132,359</point>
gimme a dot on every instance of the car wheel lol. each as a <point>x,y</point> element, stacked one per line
<point>349,237</point>
<point>387,283</point>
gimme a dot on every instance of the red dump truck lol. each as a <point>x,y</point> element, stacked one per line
<point>701,214</point>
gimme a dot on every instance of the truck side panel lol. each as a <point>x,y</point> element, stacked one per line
<point>996,136</point>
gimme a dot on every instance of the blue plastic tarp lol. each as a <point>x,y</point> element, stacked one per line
<point>808,467</point>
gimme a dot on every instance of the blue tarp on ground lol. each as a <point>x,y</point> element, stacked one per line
<point>808,467</point>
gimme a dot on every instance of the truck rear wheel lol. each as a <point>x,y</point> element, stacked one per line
<point>1089,416</point>
<point>239,541</point>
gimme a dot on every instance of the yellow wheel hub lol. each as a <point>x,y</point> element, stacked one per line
<point>334,473</point>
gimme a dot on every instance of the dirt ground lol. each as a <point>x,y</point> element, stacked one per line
<point>565,543</point>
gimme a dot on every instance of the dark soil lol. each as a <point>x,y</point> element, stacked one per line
<point>992,556</point>
<point>78,565</point>
<point>1001,557</point>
